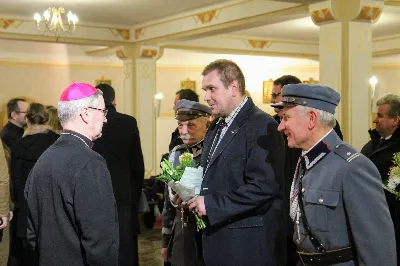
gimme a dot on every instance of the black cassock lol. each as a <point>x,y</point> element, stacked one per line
<point>72,217</point>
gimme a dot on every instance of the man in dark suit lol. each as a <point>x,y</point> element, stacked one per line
<point>12,132</point>
<point>241,194</point>
<point>120,147</point>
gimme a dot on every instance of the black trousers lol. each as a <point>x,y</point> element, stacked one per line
<point>128,241</point>
<point>20,254</point>
<point>292,256</point>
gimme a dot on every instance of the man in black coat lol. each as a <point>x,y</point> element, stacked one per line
<point>12,132</point>
<point>384,143</point>
<point>242,190</point>
<point>120,147</point>
<point>291,158</point>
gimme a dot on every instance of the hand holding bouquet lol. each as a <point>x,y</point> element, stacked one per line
<point>393,183</point>
<point>185,179</point>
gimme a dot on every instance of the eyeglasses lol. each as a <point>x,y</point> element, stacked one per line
<point>275,95</point>
<point>104,111</point>
<point>19,112</point>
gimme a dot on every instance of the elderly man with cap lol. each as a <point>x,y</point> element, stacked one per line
<point>179,226</point>
<point>337,202</point>
<point>71,205</point>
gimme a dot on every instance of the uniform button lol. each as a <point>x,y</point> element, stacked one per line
<point>349,153</point>
<point>303,189</point>
<point>321,201</point>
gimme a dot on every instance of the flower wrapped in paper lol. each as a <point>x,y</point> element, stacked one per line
<point>393,182</point>
<point>185,179</point>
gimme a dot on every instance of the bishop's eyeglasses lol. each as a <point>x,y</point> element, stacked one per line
<point>104,111</point>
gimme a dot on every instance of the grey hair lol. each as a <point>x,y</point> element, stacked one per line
<point>70,109</point>
<point>394,104</point>
<point>326,119</point>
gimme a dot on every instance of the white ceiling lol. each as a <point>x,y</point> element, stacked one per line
<point>304,29</point>
<point>111,12</point>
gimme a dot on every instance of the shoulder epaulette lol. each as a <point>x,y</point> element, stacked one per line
<point>346,152</point>
<point>179,147</point>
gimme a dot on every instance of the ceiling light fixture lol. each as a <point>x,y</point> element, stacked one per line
<point>56,21</point>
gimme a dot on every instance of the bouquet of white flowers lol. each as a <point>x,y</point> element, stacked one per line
<point>185,180</point>
<point>393,182</point>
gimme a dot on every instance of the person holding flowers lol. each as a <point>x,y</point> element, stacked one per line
<point>381,150</point>
<point>181,243</point>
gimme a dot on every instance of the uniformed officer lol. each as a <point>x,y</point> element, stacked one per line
<point>336,202</point>
<point>179,226</point>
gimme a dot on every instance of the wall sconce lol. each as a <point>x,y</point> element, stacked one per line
<point>157,103</point>
<point>374,88</point>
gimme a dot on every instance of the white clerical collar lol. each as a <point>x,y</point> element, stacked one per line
<point>305,152</point>
<point>387,138</point>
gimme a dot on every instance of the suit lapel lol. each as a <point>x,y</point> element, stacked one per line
<point>232,130</point>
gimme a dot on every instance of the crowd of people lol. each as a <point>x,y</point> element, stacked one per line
<point>276,190</point>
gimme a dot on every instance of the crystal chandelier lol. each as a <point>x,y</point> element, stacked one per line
<point>56,21</point>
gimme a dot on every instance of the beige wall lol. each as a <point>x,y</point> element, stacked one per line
<point>44,82</point>
<point>388,79</point>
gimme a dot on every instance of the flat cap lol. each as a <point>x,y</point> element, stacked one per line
<point>188,110</point>
<point>310,95</point>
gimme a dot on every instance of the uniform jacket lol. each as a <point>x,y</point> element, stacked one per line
<point>24,156</point>
<point>292,156</point>
<point>71,206</point>
<point>243,191</point>
<point>120,147</point>
<point>345,204</point>
<point>181,241</point>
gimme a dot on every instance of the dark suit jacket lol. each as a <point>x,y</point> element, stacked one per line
<point>120,147</point>
<point>243,190</point>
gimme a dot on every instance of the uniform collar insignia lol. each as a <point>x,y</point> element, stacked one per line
<point>313,156</point>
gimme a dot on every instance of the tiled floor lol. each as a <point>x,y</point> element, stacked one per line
<point>149,248</point>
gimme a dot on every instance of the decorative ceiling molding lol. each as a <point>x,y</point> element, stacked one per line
<point>321,16</point>
<point>206,17</point>
<point>258,44</point>
<point>369,13</point>
<point>6,23</point>
<point>138,33</point>
<point>124,33</point>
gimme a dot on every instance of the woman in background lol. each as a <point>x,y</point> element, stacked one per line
<point>36,139</point>
<point>53,121</point>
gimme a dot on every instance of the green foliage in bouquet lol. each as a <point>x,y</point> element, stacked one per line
<point>171,173</point>
<point>393,182</point>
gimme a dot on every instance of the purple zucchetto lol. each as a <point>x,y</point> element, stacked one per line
<point>77,91</point>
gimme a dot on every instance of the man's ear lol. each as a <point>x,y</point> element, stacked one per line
<point>235,88</point>
<point>313,119</point>
<point>208,124</point>
<point>396,121</point>
<point>85,115</point>
<point>13,114</point>
<point>114,102</point>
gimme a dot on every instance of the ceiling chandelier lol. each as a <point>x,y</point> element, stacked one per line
<point>55,21</point>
